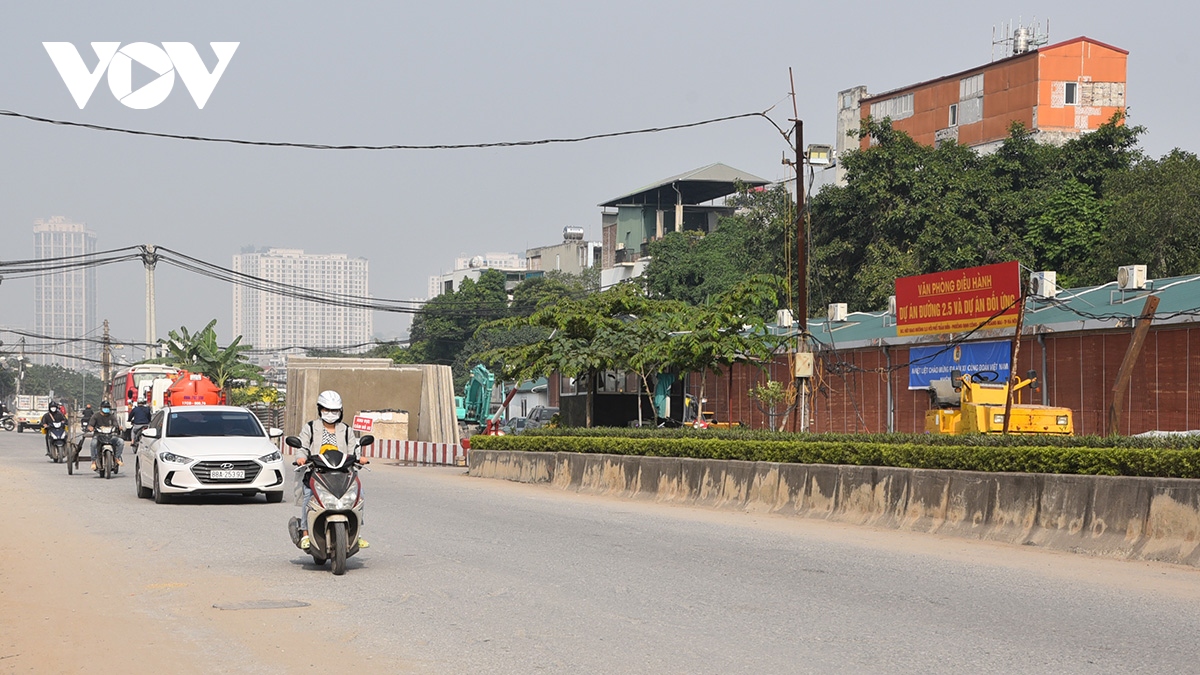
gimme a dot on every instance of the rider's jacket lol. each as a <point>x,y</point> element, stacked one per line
<point>52,417</point>
<point>102,420</point>
<point>140,415</point>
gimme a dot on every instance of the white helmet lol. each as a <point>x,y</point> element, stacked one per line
<point>329,400</point>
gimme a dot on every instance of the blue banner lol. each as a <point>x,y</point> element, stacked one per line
<point>971,357</point>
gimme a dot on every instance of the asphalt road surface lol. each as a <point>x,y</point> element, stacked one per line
<point>467,575</point>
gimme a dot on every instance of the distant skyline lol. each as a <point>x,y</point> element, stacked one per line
<point>461,72</point>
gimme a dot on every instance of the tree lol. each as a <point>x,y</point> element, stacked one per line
<point>444,325</point>
<point>199,353</point>
<point>621,329</point>
<point>77,387</point>
<point>757,239</point>
<point>911,209</point>
<point>1154,217</point>
<point>715,336</point>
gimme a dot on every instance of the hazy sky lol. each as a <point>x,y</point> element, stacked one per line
<point>461,72</point>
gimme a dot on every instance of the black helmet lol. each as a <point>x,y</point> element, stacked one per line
<point>53,406</point>
<point>106,406</point>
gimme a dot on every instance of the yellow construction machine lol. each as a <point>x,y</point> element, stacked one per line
<point>974,404</point>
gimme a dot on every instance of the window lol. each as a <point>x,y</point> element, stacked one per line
<point>1071,93</point>
<point>898,108</point>
<point>953,114</point>
<point>970,87</point>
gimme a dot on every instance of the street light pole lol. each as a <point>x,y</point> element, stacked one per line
<point>149,259</point>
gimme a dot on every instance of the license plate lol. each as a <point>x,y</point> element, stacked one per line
<point>227,474</point>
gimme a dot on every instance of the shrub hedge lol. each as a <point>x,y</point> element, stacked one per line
<point>972,440</point>
<point>867,451</point>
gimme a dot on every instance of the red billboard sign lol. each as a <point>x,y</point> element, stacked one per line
<point>958,301</point>
<point>363,423</point>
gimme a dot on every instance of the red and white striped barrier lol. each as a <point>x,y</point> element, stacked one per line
<point>412,452</point>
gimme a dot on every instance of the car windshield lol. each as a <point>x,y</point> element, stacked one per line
<point>185,423</point>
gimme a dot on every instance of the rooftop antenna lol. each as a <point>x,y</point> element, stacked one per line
<point>1022,39</point>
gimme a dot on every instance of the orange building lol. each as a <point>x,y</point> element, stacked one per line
<point>1058,91</point>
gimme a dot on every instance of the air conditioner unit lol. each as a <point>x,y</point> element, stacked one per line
<point>784,317</point>
<point>1131,277</point>
<point>837,312</point>
<point>891,305</point>
<point>1043,284</point>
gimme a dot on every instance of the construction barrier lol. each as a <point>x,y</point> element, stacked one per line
<point>410,452</point>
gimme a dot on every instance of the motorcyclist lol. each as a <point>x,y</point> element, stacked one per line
<point>139,419</point>
<point>327,432</point>
<point>105,418</point>
<point>86,414</point>
<point>53,414</point>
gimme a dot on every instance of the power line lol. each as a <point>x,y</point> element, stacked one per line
<point>438,146</point>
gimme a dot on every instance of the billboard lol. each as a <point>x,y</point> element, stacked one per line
<point>936,362</point>
<point>958,301</point>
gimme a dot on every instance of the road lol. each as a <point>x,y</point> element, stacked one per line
<point>471,575</point>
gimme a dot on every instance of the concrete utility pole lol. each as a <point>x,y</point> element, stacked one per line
<point>801,255</point>
<point>149,259</point>
<point>20,366</point>
<point>106,359</point>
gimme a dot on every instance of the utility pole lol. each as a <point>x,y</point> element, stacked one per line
<point>801,254</point>
<point>20,366</point>
<point>106,359</point>
<point>149,259</point>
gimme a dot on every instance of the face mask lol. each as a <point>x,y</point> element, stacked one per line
<point>105,410</point>
<point>330,416</point>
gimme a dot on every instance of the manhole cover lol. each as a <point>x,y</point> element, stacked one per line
<point>262,604</point>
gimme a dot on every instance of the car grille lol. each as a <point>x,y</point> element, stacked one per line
<point>203,470</point>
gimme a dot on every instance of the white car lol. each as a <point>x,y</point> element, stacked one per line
<point>208,449</point>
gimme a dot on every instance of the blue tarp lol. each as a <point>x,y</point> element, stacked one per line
<point>971,357</point>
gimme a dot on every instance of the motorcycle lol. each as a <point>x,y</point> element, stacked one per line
<point>7,422</point>
<point>56,441</point>
<point>106,454</point>
<point>336,508</point>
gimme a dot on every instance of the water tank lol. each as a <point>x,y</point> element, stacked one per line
<point>573,233</point>
<point>1021,39</point>
<point>477,262</point>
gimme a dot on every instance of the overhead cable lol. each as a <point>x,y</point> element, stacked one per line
<point>436,146</point>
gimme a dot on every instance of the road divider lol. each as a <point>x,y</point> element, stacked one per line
<point>1113,516</point>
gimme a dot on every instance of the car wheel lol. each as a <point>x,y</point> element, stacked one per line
<point>159,496</point>
<point>274,497</point>
<point>143,492</point>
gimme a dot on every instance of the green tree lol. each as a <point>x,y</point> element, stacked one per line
<point>199,352</point>
<point>757,239</point>
<point>76,388</point>
<point>443,326</point>
<point>1154,217</point>
<point>911,209</point>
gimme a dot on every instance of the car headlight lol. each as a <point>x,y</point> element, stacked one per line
<point>998,420</point>
<point>1061,420</point>
<point>332,503</point>
<point>273,457</point>
<point>173,458</point>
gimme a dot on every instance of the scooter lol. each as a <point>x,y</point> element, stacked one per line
<point>7,422</point>
<point>336,508</point>
<point>56,441</point>
<point>106,454</point>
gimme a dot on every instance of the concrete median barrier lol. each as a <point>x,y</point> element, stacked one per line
<point>1113,516</point>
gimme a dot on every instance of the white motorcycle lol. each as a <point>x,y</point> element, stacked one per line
<point>336,508</point>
